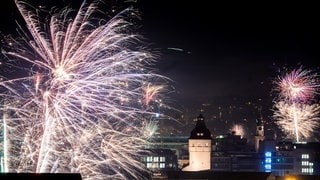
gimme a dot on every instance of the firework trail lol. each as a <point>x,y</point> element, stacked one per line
<point>294,110</point>
<point>80,107</point>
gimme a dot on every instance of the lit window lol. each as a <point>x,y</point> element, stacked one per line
<point>162,165</point>
<point>305,163</point>
<point>155,159</point>
<point>311,170</point>
<point>162,159</point>
<point>155,165</point>
<point>149,159</point>
<point>268,160</point>
<point>267,154</point>
<point>305,156</point>
<point>149,165</point>
<point>268,166</point>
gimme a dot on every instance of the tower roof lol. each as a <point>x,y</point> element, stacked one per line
<point>200,131</point>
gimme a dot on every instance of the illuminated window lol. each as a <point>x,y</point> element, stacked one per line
<point>155,159</point>
<point>305,156</point>
<point>268,160</point>
<point>268,166</point>
<point>162,159</point>
<point>267,154</point>
<point>149,159</point>
<point>155,165</point>
<point>149,165</point>
<point>307,170</point>
<point>162,165</point>
<point>311,170</point>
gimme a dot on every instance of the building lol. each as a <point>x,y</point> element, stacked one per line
<point>286,157</point>
<point>259,137</point>
<point>230,153</point>
<point>158,160</point>
<point>199,147</point>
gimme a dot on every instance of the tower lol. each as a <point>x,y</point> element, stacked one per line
<point>199,147</point>
<point>259,133</point>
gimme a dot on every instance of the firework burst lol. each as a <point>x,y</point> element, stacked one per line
<point>299,85</point>
<point>294,110</point>
<point>80,107</point>
<point>297,120</point>
<point>238,129</point>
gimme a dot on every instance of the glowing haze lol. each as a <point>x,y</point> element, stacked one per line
<point>295,109</point>
<point>84,102</point>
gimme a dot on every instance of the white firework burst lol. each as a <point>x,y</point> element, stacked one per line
<point>79,108</point>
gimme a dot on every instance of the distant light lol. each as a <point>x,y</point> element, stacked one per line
<point>268,160</point>
<point>301,142</point>
<point>157,115</point>
<point>220,136</point>
<point>267,154</point>
<point>267,166</point>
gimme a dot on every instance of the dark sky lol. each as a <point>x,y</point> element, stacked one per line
<point>227,50</point>
<point>231,49</point>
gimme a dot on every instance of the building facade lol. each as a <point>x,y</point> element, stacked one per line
<point>199,147</point>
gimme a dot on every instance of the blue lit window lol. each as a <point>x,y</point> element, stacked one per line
<point>268,160</point>
<point>267,154</point>
<point>267,166</point>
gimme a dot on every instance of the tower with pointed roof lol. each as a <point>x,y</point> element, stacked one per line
<point>259,137</point>
<point>199,147</point>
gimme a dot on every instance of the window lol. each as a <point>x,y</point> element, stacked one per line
<point>268,160</point>
<point>162,165</point>
<point>162,159</point>
<point>305,156</point>
<point>155,159</point>
<point>304,163</point>
<point>149,159</point>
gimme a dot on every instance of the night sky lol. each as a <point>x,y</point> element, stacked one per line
<point>230,50</point>
<point>221,51</point>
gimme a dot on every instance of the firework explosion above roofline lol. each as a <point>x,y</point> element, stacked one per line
<point>85,102</point>
<point>220,46</point>
<point>220,52</point>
